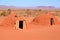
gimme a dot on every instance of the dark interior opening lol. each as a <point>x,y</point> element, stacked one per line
<point>21,24</point>
<point>51,21</point>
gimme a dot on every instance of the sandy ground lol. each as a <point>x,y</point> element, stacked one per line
<point>46,33</point>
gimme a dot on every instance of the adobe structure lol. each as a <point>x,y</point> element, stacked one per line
<point>46,19</point>
<point>17,21</point>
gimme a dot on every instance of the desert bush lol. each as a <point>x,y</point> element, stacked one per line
<point>56,14</point>
<point>9,11</point>
<point>3,14</point>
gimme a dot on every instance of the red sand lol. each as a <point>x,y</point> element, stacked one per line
<point>34,31</point>
<point>47,33</point>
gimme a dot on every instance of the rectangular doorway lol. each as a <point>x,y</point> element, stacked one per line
<point>21,24</point>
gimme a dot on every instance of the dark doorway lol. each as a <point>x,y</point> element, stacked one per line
<point>51,21</point>
<point>21,24</point>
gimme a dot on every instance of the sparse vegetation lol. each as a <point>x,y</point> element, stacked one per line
<point>3,14</point>
<point>29,12</point>
<point>56,14</point>
<point>9,11</point>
